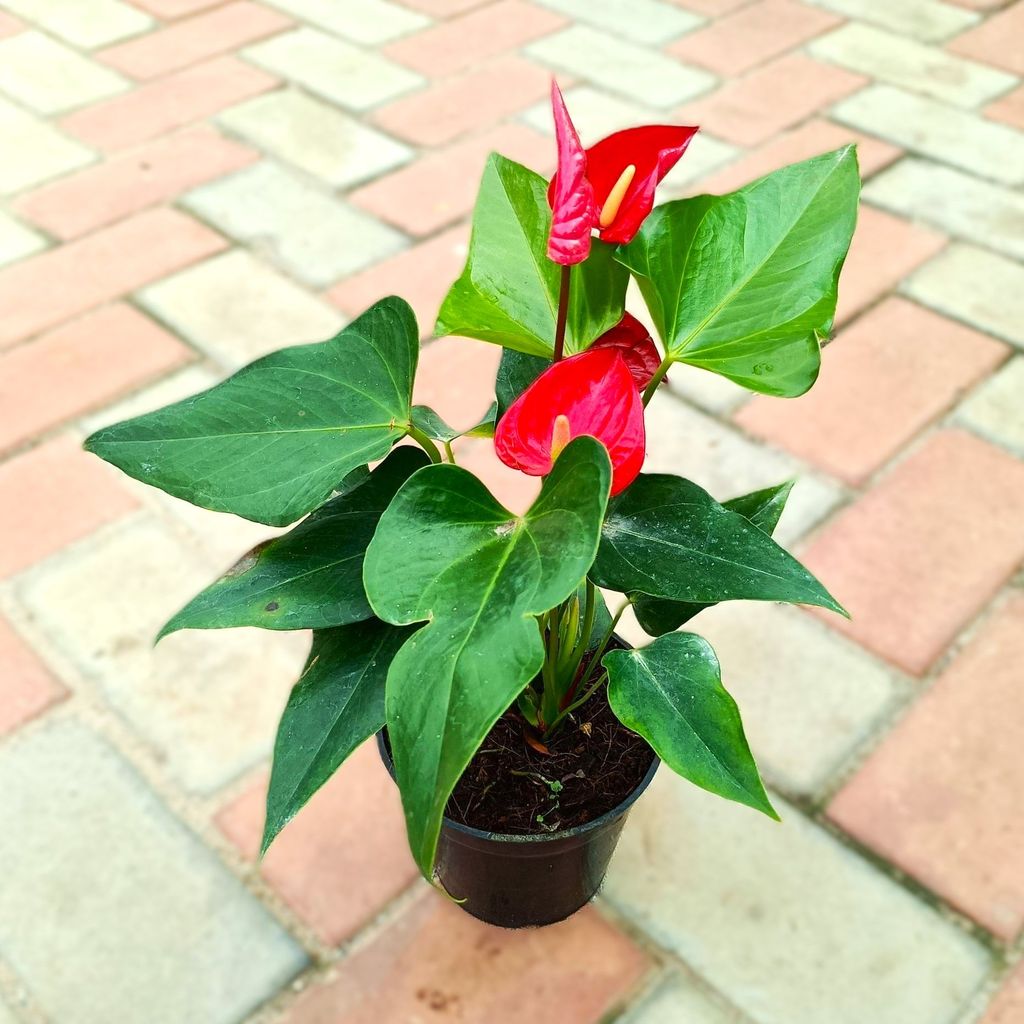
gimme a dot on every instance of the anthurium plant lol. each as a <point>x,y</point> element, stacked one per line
<point>436,611</point>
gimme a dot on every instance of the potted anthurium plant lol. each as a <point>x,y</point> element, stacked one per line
<point>477,643</point>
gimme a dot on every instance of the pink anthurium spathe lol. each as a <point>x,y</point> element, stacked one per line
<point>573,209</point>
<point>592,393</point>
<point>608,187</point>
<point>634,343</point>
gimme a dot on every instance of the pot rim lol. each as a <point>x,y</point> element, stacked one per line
<point>544,837</point>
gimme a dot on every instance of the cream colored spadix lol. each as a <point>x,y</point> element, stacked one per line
<point>611,205</point>
<point>559,436</point>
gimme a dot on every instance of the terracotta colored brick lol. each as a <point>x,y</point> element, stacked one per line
<point>194,39</point>
<point>128,182</point>
<point>917,557</point>
<point>58,284</point>
<point>885,249</point>
<point>168,103</point>
<point>1008,108</point>
<point>53,496</point>
<point>997,40</point>
<point>168,9</point>
<point>810,139</point>
<point>79,367</point>
<point>343,857</point>
<point>455,377</point>
<point>458,105</point>
<point>9,26</point>
<point>883,379</point>
<point>423,275</point>
<point>1008,1005</point>
<point>752,35</point>
<point>441,187</point>
<point>28,686</point>
<point>940,797</point>
<point>453,46</point>
<point>778,95</point>
<point>438,963</point>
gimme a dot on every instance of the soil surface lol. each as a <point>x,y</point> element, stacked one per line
<point>594,763</point>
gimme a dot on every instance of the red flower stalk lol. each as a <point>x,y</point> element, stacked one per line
<point>592,393</point>
<point>634,343</point>
<point>609,187</point>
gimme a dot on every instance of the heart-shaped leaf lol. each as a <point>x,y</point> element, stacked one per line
<point>271,442</point>
<point>667,537</point>
<point>337,703</point>
<point>671,693</point>
<point>745,284</point>
<point>763,508</point>
<point>508,292</point>
<point>446,552</point>
<point>312,577</point>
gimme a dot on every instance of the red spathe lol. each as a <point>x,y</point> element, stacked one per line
<point>634,343</point>
<point>597,394</point>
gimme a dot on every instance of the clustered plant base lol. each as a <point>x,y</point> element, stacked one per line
<point>438,613</point>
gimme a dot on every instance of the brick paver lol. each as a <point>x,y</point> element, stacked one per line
<point>890,373</point>
<point>937,797</point>
<point>188,184</point>
<point>29,686</point>
<point>437,961</point>
<point>911,577</point>
<point>345,855</point>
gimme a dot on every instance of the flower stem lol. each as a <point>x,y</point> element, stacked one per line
<point>563,313</point>
<point>659,376</point>
<point>425,443</point>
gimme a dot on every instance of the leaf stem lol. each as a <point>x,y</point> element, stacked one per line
<point>425,443</point>
<point>659,376</point>
<point>563,313</point>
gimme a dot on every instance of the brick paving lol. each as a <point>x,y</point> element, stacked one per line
<point>187,184</point>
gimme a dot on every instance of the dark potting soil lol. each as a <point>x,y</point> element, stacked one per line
<point>594,763</point>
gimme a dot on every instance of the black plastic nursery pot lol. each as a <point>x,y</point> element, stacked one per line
<point>525,881</point>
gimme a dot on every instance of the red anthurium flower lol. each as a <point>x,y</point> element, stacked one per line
<point>634,343</point>
<point>572,201</point>
<point>610,186</point>
<point>591,393</point>
<point>624,170</point>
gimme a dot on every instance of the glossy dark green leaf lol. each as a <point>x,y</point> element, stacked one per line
<point>448,553</point>
<point>745,284</point>
<point>271,442</point>
<point>516,372</point>
<point>312,576</point>
<point>508,292</point>
<point>667,537</point>
<point>671,693</point>
<point>337,703</point>
<point>762,508</point>
<point>424,418</point>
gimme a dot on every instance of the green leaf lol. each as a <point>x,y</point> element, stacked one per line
<point>448,553</point>
<point>271,442</point>
<point>516,372</point>
<point>671,693</point>
<point>424,418</point>
<point>508,292</point>
<point>337,703</point>
<point>745,284</point>
<point>312,577</point>
<point>762,508</point>
<point>667,537</point>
